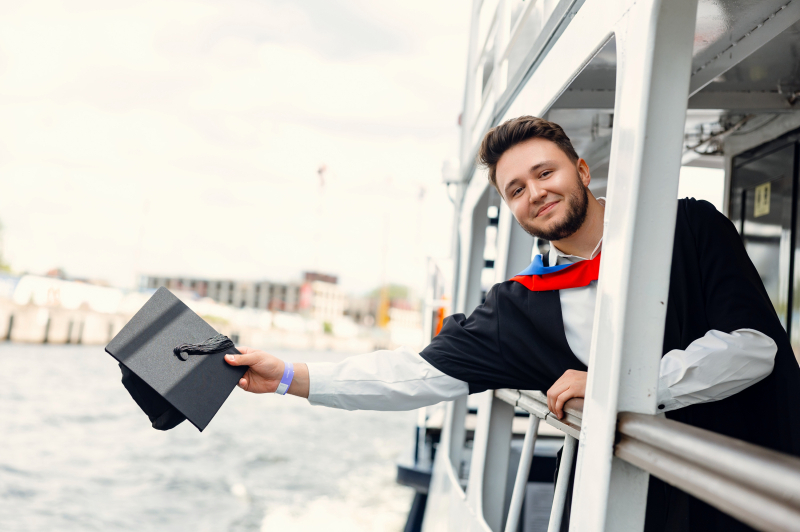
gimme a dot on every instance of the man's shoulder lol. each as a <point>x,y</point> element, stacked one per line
<point>696,214</point>
<point>696,207</point>
<point>508,289</point>
<point>513,295</point>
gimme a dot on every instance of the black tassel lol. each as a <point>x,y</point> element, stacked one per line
<point>214,344</point>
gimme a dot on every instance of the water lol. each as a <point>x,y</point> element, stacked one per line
<point>76,453</point>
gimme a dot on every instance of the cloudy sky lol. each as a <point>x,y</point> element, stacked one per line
<point>185,138</point>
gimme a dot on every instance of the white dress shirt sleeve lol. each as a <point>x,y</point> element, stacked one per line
<point>383,380</point>
<point>714,367</point>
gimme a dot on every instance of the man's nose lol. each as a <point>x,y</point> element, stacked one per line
<point>537,193</point>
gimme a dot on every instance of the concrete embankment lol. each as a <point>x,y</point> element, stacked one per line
<point>54,325</point>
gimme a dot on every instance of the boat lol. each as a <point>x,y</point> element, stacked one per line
<point>642,88</point>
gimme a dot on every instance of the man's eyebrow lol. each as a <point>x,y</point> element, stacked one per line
<point>536,166</point>
<point>510,183</point>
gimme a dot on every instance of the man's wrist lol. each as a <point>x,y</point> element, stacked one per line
<point>300,382</point>
<point>286,379</point>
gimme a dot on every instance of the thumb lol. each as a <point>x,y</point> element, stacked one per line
<point>247,359</point>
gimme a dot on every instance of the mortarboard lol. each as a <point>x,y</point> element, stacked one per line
<point>171,386</point>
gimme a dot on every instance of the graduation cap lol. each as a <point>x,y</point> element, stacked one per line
<point>173,364</point>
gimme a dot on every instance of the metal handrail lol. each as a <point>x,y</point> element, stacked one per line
<point>758,486</point>
<point>778,474</point>
<point>535,402</point>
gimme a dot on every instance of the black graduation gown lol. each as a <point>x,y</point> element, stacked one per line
<point>516,340</point>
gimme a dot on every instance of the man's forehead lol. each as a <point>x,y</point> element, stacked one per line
<point>518,160</point>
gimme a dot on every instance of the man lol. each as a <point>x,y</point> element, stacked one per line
<point>727,363</point>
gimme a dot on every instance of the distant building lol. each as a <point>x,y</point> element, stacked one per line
<point>310,277</point>
<point>400,311</point>
<point>58,273</point>
<point>362,310</point>
<point>405,327</point>
<point>264,295</point>
<point>405,318</point>
<point>322,298</point>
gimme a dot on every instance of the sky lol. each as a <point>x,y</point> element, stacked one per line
<point>185,138</point>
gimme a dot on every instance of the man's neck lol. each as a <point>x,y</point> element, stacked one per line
<point>583,241</point>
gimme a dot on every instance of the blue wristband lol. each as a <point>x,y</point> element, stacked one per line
<point>286,380</point>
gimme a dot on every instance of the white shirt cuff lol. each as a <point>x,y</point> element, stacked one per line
<point>321,391</point>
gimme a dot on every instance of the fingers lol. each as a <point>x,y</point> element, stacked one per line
<point>571,384</point>
<point>553,397</point>
<point>244,383</point>
<point>555,390</point>
<point>248,359</point>
<point>563,398</point>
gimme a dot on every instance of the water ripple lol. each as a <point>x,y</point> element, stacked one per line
<point>79,455</point>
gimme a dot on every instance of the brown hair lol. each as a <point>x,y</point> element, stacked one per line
<point>502,138</point>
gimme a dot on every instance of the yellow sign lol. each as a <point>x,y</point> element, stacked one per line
<point>761,207</point>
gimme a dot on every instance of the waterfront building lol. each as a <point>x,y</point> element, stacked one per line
<point>322,298</point>
<point>265,295</point>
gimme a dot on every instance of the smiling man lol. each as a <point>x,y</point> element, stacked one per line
<point>727,364</point>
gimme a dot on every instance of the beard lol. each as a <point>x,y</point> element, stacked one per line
<point>577,209</point>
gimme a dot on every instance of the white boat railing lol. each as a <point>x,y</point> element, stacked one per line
<point>535,403</point>
<point>757,486</point>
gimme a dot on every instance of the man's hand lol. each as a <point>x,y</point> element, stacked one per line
<point>571,384</point>
<point>265,372</point>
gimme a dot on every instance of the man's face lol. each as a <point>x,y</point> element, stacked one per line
<point>544,189</point>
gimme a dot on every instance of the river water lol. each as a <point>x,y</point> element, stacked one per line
<point>77,454</point>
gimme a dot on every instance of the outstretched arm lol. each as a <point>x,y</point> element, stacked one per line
<point>383,380</point>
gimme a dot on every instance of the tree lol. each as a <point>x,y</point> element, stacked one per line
<point>394,291</point>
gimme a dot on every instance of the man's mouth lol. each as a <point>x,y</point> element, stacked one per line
<point>547,208</point>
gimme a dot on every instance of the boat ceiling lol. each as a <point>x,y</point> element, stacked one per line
<point>765,82</point>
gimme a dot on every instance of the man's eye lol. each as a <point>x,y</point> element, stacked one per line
<point>517,191</point>
<point>546,173</point>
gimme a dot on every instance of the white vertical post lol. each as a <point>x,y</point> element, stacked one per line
<point>455,431</point>
<point>473,224</point>
<point>523,471</point>
<point>654,49</point>
<point>514,246</point>
<point>470,91</point>
<point>501,37</point>
<point>488,471</point>
<point>562,484</point>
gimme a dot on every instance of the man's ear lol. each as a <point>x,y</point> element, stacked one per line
<point>583,172</point>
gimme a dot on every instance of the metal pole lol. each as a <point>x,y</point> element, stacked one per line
<point>521,481</point>
<point>654,52</point>
<point>562,484</point>
<point>468,116</point>
<point>760,510</point>
<point>488,472</point>
<point>764,470</point>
